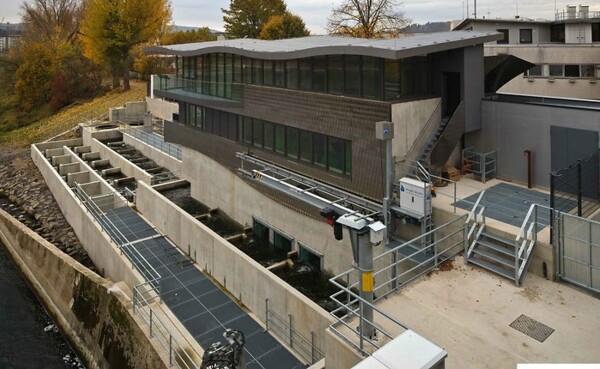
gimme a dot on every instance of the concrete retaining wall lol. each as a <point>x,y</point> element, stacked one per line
<point>116,160</point>
<point>162,109</point>
<point>243,277</point>
<point>91,311</point>
<point>98,245</point>
<point>159,157</point>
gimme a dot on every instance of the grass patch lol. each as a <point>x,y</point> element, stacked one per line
<point>71,116</point>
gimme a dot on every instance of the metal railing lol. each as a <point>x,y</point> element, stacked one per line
<point>304,347</point>
<point>147,136</point>
<point>562,16</point>
<point>144,295</point>
<point>424,136</point>
<point>482,165</point>
<point>205,90</point>
<point>526,240</point>
<point>396,268</point>
<point>478,217</point>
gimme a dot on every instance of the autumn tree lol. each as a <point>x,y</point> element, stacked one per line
<point>111,29</point>
<point>246,18</point>
<point>368,19</point>
<point>52,21</point>
<point>186,37</point>
<point>283,26</point>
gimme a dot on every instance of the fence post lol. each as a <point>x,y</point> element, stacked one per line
<point>291,340</point>
<point>267,314</point>
<point>170,350</point>
<point>312,347</point>
<point>150,322</point>
<point>579,187</point>
<point>134,298</point>
<point>552,194</point>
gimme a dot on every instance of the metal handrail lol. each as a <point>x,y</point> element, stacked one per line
<point>151,139</point>
<point>475,206</point>
<point>424,135</point>
<point>525,240</point>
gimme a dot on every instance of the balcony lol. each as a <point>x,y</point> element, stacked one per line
<point>197,91</point>
<point>576,16</point>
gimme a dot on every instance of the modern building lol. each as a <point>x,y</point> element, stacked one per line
<point>10,34</point>
<point>565,51</point>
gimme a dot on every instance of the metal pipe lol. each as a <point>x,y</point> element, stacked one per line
<point>528,156</point>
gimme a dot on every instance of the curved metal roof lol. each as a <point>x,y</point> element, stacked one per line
<point>304,47</point>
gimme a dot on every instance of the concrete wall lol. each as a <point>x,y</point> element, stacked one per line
<point>162,109</point>
<point>98,245</point>
<point>409,119</point>
<point>473,86</point>
<point>91,311</point>
<point>577,88</point>
<point>116,160</point>
<point>159,157</point>
<point>132,112</point>
<point>243,277</point>
<point>540,31</point>
<point>511,128</point>
<point>338,354</point>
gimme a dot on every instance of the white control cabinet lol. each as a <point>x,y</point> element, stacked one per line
<point>415,197</point>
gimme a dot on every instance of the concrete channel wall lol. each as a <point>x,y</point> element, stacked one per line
<point>159,157</point>
<point>244,278</point>
<point>118,161</point>
<point>90,310</point>
<point>98,245</point>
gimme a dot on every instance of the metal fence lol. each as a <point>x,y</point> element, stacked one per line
<point>147,135</point>
<point>481,165</point>
<point>578,251</point>
<point>283,328</point>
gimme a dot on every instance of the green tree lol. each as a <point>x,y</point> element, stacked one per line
<point>185,37</point>
<point>368,19</point>
<point>287,25</point>
<point>111,29</point>
<point>246,18</point>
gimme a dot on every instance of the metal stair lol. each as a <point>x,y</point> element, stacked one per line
<point>426,151</point>
<point>494,253</point>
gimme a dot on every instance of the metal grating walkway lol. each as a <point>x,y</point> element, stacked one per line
<point>201,306</point>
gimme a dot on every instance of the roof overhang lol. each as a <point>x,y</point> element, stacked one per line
<point>304,47</point>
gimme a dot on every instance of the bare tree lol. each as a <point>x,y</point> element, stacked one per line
<point>368,19</point>
<point>52,20</point>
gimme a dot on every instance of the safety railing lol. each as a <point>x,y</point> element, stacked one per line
<point>305,348</point>
<point>525,241</point>
<point>562,16</point>
<point>146,295</point>
<point>477,215</point>
<point>204,90</point>
<point>482,165</point>
<point>146,135</point>
<point>395,268</point>
<point>424,136</point>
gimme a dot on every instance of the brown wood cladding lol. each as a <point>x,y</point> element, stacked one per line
<point>347,118</point>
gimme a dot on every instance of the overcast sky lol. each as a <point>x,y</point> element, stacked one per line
<point>315,12</point>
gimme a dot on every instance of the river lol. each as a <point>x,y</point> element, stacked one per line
<point>28,337</point>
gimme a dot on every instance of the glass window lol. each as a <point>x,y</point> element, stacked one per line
<point>335,154</point>
<point>209,120</point>
<point>237,69</point>
<point>306,146</point>
<point>557,33</point>
<point>335,74</point>
<point>279,73</point>
<point>257,72</point>
<point>305,74</point>
<point>319,74</point>
<point>525,36</point>
<point>260,231</point>
<point>213,74</point>
<point>221,75</point>
<point>370,77</point>
<point>556,70</point>
<point>535,71</point>
<point>504,39</point>
<point>352,75</point>
<point>280,139</point>
<point>199,68</point>
<point>291,67</point>
<point>223,123</point>
<point>392,79</point>
<point>269,135</point>
<point>247,70</point>
<point>228,75</point>
<point>268,72</point>
<point>257,132</point>
<point>206,74</point>
<point>571,70</point>
<point>231,127</point>
<point>292,142</point>
<point>247,130</point>
<point>282,242</point>
<point>348,161</point>
<point>588,71</point>
<point>595,32</point>
<point>320,150</point>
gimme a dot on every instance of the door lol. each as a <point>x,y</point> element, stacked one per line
<point>451,93</point>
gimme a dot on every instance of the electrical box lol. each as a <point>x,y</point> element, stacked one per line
<point>376,232</point>
<point>415,197</point>
<point>384,130</point>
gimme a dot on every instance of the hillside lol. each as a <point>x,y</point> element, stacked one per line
<point>70,117</point>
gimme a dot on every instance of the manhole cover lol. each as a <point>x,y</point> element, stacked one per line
<point>532,328</point>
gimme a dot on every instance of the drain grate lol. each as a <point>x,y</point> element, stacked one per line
<point>532,328</point>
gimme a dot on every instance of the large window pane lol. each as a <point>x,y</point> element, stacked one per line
<point>257,72</point>
<point>228,74</point>
<point>536,71</point>
<point>206,74</point>
<point>221,75</point>
<point>279,74</point>
<point>525,36</point>
<point>279,139</point>
<point>348,161</point>
<point>319,74</point>
<point>335,154</point>
<point>557,33</point>
<point>213,74</point>
<point>268,72</point>
<point>392,79</point>
<point>237,69</point>
<point>320,150</point>
<point>421,80</point>
<point>231,127</point>
<point>247,130</point>
<point>335,74</point>
<point>305,74</point>
<point>247,70</point>
<point>306,146</point>
<point>292,74</point>
<point>556,70</point>
<point>257,132</point>
<point>370,77</point>
<point>292,142</point>
<point>269,135</point>
<point>572,70</point>
<point>352,76</point>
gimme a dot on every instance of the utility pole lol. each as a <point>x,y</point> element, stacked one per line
<point>475,6</point>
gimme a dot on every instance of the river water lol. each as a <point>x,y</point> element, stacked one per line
<point>28,338</point>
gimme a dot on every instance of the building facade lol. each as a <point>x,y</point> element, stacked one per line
<point>565,51</point>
